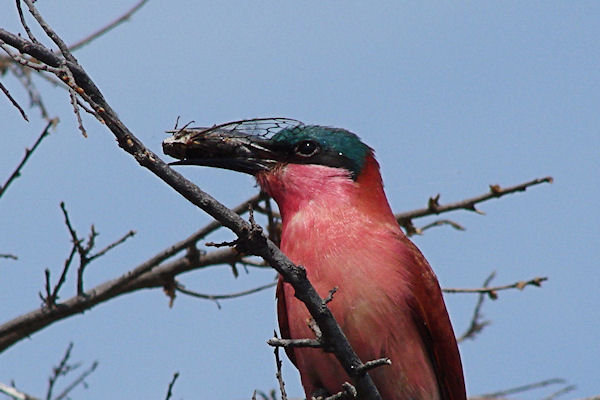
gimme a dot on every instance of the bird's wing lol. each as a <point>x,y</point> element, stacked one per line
<point>431,317</point>
<point>284,328</point>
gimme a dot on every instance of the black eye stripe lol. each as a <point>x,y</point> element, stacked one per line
<point>307,148</point>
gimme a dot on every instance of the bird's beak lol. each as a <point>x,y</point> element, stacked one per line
<point>214,147</point>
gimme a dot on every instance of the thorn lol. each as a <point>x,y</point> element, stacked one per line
<point>434,202</point>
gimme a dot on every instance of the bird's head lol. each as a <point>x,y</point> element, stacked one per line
<point>293,162</point>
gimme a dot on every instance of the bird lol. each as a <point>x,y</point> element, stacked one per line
<point>337,223</point>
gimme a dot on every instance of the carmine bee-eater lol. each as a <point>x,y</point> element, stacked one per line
<point>338,224</point>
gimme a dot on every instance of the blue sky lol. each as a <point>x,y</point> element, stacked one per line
<point>453,96</point>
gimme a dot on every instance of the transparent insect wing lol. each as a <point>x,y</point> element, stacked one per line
<point>259,127</point>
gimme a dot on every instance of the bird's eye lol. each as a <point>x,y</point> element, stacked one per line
<point>307,148</point>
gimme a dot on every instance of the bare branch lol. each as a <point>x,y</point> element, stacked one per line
<point>519,389</point>
<point>147,275</point>
<point>14,102</point>
<point>62,369</point>
<point>24,23</point>
<point>51,298</point>
<point>50,33</point>
<point>24,77</point>
<point>434,208</point>
<point>78,381</point>
<point>28,152</point>
<point>112,245</point>
<point>560,392</point>
<point>441,222</point>
<point>492,291</point>
<point>15,394</point>
<point>95,35</point>
<point>278,374</point>
<point>9,256</point>
<point>171,384</point>
<point>477,325</point>
<point>217,297</point>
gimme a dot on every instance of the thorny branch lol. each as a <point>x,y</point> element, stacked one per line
<point>435,208</point>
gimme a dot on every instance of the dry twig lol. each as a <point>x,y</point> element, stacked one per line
<point>278,374</point>
<point>435,208</point>
<point>217,297</point>
<point>492,292</point>
<point>95,35</point>
<point>171,384</point>
<point>28,152</point>
<point>519,389</point>
<point>477,324</point>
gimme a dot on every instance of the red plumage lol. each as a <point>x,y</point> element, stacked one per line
<point>388,303</point>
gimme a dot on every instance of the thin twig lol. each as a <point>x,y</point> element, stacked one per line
<point>64,49</point>
<point>112,245</point>
<point>79,380</point>
<point>28,63</point>
<point>24,23</point>
<point>278,374</point>
<point>28,152</point>
<point>171,384</point>
<point>477,324</point>
<point>492,291</point>
<point>24,76</point>
<point>560,392</point>
<point>441,222</point>
<point>62,369</point>
<point>520,389</point>
<point>9,256</point>
<point>94,35</point>
<point>51,300</point>
<point>74,238</point>
<point>14,102</point>
<point>434,208</point>
<point>217,297</point>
